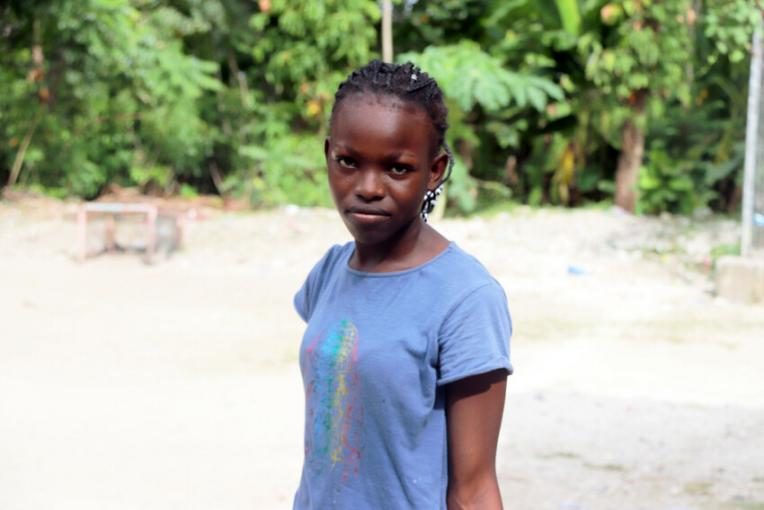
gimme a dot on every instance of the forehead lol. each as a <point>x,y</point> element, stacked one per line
<point>380,120</point>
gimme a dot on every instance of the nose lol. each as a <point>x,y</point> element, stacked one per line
<point>369,186</point>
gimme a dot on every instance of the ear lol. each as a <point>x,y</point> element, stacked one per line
<point>437,170</point>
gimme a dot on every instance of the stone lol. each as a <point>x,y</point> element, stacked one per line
<point>740,279</point>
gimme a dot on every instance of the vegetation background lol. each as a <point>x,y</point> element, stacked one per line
<point>177,385</point>
<point>568,102</point>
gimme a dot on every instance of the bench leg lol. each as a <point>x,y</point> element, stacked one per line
<point>151,234</point>
<point>111,244</point>
<point>82,234</point>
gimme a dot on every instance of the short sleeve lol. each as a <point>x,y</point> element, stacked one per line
<point>305,299</point>
<point>474,337</point>
<point>302,300</point>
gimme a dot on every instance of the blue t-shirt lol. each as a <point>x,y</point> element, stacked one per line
<point>376,354</point>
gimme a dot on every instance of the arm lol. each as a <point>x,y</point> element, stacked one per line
<point>474,407</point>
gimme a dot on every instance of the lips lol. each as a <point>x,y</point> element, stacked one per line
<point>368,211</point>
<point>367,215</point>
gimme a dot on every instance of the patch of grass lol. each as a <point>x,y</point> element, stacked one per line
<point>750,505</point>
<point>600,205</point>
<point>740,503</point>
<point>188,191</point>
<point>559,455</point>
<point>493,200</point>
<point>721,250</point>
<point>605,467</point>
<point>698,488</point>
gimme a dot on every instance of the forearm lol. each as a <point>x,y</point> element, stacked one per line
<point>474,410</point>
<point>481,493</point>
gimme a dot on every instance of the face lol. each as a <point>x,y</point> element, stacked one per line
<point>381,160</point>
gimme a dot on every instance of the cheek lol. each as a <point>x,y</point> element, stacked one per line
<point>411,193</point>
<point>332,175</point>
<point>339,182</point>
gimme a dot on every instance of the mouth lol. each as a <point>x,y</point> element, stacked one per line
<point>367,215</point>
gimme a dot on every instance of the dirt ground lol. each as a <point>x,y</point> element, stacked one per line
<point>175,385</point>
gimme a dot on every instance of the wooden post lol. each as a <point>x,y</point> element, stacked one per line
<point>387,30</point>
<point>151,233</point>
<point>82,233</point>
<point>110,234</point>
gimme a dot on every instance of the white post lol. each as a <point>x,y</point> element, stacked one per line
<point>387,30</point>
<point>751,139</point>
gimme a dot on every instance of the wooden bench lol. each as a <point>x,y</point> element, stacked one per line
<point>112,210</point>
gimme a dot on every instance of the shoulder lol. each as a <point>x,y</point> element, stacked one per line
<point>474,326</point>
<point>334,257</point>
<point>322,273</point>
<point>330,264</point>
<point>462,275</point>
<point>467,291</point>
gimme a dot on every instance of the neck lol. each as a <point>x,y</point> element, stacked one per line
<point>394,253</point>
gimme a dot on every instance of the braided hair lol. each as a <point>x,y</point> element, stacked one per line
<point>408,83</point>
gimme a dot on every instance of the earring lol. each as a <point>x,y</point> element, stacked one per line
<point>428,204</point>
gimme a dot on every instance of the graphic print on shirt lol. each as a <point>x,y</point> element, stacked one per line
<point>334,409</point>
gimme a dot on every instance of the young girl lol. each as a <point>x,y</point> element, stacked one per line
<point>406,352</point>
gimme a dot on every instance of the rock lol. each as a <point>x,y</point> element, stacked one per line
<point>740,279</point>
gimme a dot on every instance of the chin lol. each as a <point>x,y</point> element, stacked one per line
<point>367,235</point>
<point>376,234</point>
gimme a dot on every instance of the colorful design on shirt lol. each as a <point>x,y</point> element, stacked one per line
<point>334,413</point>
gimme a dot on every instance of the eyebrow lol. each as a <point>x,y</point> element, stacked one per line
<point>387,157</point>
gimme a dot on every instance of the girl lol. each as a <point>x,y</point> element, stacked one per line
<point>406,352</point>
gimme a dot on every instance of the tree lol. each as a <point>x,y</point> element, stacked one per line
<point>100,90</point>
<point>553,101</point>
<point>624,66</point>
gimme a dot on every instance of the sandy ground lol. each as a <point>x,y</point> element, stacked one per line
<point>175,385</point>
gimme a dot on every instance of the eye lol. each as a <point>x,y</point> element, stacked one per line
<point>345,162</point>
<point>400,169</point>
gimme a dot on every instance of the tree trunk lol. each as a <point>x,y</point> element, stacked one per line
<point>21,153</point>
<point>629,162</point>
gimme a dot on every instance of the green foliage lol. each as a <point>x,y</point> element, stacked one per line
<point>570,15</point>
<point>302,39</point>
<point>304,48</point>
<point>723,250</point>
<point>106,77</point>
<point>289,170</point>
<point>728,25</point>
<point>234,96</point>
<point>150,175</point>
<point>421,24</point>
<point>471,77</point>
<point>654,63</point>
<point>647,49</point>
<point>667,185</point>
